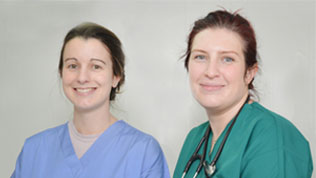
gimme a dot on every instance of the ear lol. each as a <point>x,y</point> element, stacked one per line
<point>251,73</point>
<point>116,80</point>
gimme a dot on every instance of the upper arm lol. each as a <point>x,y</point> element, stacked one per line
<point>154,162</point>
<point>17,171</point>
<point>23,165</point>
<point>276,150</point>
<point>279,163</point>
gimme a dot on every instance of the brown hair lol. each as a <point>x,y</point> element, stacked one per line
<point>91,30</point>
<point>230,21</point>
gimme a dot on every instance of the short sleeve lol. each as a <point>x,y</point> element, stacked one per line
<point>23,165</point>
<point>154,163</point>
<point>17,171</point>
<point>277,150</point>
<point>279,163</point>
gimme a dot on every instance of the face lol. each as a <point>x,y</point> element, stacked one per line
<point>217,69</point>
<point>87,74</point>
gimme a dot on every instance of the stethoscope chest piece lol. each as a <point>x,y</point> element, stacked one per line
<point>209,169</point>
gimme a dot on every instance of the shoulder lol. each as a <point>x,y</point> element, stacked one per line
<point>193,138</point>
<point>36,145</point>
<point>265,119</point>
<point>269,131</point>
<point>133,137</point>
<point>131,132</point>
<point>198,131</point>
<point>143,149</point>
<point>45,137</point>
<point>195,135</point>
<point>259,113</point>
<point>190,144</point>
<point>274,142</point>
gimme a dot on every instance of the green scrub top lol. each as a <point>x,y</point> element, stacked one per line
<point>262,144</point>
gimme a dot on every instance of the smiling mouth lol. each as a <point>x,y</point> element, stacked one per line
<point>84,91</point>
<point>211,87</point>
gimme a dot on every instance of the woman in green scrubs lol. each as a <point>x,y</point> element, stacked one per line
<point>221,60</point>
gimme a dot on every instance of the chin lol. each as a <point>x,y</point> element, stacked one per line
<point>210,106</point>
<point>91,105</point>
<point>206,102</point>
<point>83,106</point>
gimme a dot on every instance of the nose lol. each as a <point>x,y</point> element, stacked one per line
<point>83,76</point>
<point>212,69</point>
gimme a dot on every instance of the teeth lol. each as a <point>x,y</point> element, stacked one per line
<point>84,90</point>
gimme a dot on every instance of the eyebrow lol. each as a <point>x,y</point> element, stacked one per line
<point>92,59</point>
<point>71,58</point>
<point>100,60</point>
<point>198,50</point>
<point>222,52</point>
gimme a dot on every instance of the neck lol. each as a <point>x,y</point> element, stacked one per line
<point>219,119</point>
<point>93,121</point>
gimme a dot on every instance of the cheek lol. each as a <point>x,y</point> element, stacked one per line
<point>234,74</point>
<point>104,79</point>
<point>67,85</point>
<point>195,72</point>
<point>68,78</point>
<point>193,78</point>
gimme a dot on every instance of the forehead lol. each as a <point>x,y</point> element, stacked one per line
<point>218,39</point>
<point>79,47</point>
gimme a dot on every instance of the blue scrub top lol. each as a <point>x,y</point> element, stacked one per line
<point>121,151</point>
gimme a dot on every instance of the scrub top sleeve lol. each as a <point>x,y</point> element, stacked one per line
<point>183,156</point>
<point>262,166</point>
<point>261,156</point>
<point>23,165</point>
<point>276,153</point>
<point>278,164</point>
<point>17,171</point>
<point>154,163</point>
<point>188,148</point>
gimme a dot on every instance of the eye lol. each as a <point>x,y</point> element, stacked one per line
<point>199,57</point>
<point>228,59</point>
<point>72,66</point>
<point>96,67</point>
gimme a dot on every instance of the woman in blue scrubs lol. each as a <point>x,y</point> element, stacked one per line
<point>241,139</point>
<point>94,144</point>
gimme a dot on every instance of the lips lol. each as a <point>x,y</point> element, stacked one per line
<point>85,91</point>
<point>212,87</point>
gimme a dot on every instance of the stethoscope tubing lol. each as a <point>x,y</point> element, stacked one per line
<point>205,138</point>
<point>195,155</point>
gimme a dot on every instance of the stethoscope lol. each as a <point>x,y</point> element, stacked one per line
<point>209,169</point>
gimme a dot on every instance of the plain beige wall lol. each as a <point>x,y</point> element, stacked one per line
<point>156,97</point>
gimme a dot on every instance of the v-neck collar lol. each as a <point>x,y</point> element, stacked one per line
<point>77,165</point>
<point>210,155</point>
